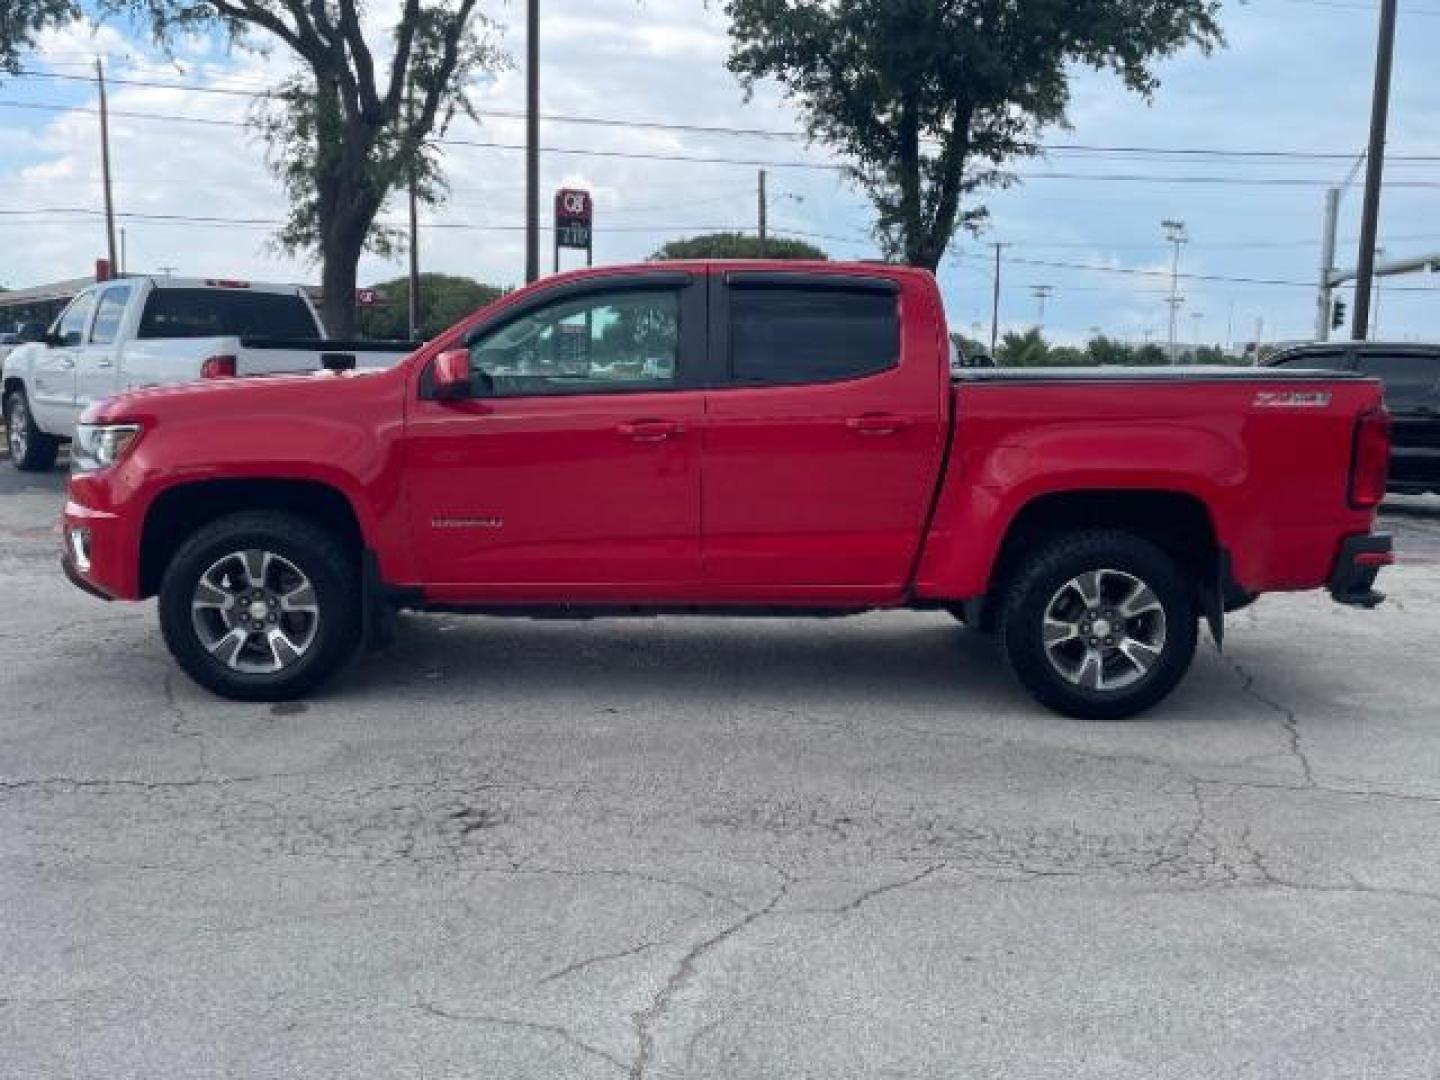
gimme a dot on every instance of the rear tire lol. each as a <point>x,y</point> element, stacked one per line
<point>31,450</point>
<point>1099,625</point>
<point>261,606</point>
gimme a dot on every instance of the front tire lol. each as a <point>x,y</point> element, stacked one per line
<point>261,606</point>
<point>1100,625</point>
<point>31,450</point>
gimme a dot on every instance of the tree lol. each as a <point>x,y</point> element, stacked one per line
<point>342,135</point>
<point>444,300</point>
<point>21,20</point>
<point>736,246</point>
<point>1022,350</point>
<point>1106,350</point>
<point>930,98</point>
<point>1151,355</point>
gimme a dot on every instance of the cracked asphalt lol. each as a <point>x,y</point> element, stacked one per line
<point>704,848</point>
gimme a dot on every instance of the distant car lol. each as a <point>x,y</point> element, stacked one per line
<point>1411,374</point>
<point>960,359</point>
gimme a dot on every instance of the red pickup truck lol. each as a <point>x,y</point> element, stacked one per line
<point>747,438</point>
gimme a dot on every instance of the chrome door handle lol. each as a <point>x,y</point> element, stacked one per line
<point>877,424</point>
<point>104,362</point>
<point>650,430</point>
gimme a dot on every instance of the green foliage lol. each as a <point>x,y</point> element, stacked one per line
<point>21,20</point>
<point>729,245</point>
<point>1151,355</point>
<point>444,300</point>
<point>930,98</point>
<point>1106,350</point>
<point>1028,349</point>
<point>342,135</point>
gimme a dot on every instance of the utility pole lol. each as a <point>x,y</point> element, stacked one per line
<point>532,143</point>
<point>1041,294</point>
<point>1175,235</point>
<point>1374,170</point>
<point>1327,264</point>
<point>105,167</point>
<point>1195,317</point>
<point>414,290</point>
<point>764,217</point>
<point>995,304</point>
<point>1379,280</point>
<point>124,260</point>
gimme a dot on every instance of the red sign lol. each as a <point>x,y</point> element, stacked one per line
<point>574,218</point>
<point>368,298</point>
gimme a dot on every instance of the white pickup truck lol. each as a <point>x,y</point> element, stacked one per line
<point>139,331</point>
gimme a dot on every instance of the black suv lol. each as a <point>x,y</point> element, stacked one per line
<point>1411,374</point>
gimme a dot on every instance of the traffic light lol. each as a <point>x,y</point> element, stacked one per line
<point>1337,314</point>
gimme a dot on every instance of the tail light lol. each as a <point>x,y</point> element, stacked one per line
<point>1370,461</point>
<point>218,367</point>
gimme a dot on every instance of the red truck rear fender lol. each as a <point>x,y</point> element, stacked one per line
<point>1169,481</point>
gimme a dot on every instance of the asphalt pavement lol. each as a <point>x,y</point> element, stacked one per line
<point>716,848</point>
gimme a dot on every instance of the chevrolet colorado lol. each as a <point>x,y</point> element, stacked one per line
<point>749,438</point>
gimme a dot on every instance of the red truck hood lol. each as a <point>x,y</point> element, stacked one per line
<point>231,398</point>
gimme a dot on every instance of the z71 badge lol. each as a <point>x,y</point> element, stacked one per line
<point>1292,399</point>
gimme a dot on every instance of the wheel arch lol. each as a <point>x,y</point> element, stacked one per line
<point>177,512</point>
<point>1178,522</point>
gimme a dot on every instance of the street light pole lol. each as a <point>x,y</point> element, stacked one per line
<point>1174,234</point>
<point>1041,293</point>
<point>995,303</point>
<point>1374,170</point>
<point>532,142</point>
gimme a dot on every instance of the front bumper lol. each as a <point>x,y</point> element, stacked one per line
<point>1360,561</point>
<point>98,552</point>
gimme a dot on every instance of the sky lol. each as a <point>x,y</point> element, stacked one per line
<point>1295,76</point>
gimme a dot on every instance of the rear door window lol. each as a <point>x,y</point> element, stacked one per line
<point>1410,380</point>
<point>195,313</point>
<point>783,334</point>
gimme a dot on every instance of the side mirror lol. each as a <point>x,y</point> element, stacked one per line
<point>451,374</point>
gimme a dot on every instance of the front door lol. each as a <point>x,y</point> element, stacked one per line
<point>572,472</point>
<point>97,370</point>
<point>53,379</point>
<point>823,444</point>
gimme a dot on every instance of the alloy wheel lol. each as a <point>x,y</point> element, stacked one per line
<point>1104,630</point>
<point>17,423</point>
<point>255,612</point>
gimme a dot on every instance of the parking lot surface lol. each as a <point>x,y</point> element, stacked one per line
<point>710,848</point>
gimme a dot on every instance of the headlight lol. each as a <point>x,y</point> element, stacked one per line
<point>98,446</point>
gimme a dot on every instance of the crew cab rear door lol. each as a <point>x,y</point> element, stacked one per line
<point>572,471</point>
<point>824,433</point>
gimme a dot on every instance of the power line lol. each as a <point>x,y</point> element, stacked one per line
<point>1184,152</point>
<point>42,215</point>
<point>701,159</point>
<point>1135,271</point>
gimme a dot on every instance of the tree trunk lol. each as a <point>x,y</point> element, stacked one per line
<point>340,253</point>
